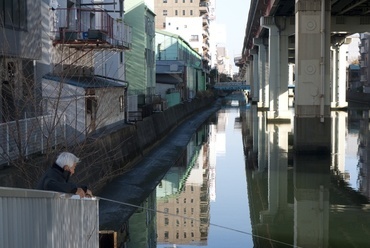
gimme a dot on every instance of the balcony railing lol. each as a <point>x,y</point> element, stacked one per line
<point>203,7</point>
<point>31,134</point>
<point>363,64</point>
<point>90,27</point>
<point>363,78</point>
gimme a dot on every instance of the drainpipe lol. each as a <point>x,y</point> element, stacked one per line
<point>323,59</point>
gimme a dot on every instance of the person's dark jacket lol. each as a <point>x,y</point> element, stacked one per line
<point>57,179</point>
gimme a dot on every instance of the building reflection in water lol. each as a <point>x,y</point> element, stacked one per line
<point>294,200</point>
<point>183,196</point>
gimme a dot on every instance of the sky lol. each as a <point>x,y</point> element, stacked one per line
<point>234,15</point>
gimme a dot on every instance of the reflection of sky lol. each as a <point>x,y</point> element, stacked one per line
<point>229,210</point>
<point>352,159</point>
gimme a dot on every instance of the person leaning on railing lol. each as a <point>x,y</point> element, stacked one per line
<point>56,178</point>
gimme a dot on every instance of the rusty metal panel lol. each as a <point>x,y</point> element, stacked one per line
<point>31,218</point>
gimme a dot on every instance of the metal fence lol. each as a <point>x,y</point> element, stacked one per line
<point>32,218</point>
<point>30,135</point>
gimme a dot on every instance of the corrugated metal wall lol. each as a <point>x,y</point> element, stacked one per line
<point>31,218</point>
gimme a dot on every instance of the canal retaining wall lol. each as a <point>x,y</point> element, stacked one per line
<point>109,152</point>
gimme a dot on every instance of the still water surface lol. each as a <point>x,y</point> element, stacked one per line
<point>238,185</point>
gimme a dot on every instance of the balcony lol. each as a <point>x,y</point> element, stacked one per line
<point>90,28</point>
<point>363,50</point>
<point>205,33</point>
<point>363,64</point>
<point>363,78</point>
<point>205,20</point>
<point>203,8</point>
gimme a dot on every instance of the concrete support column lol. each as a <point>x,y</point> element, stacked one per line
<point>263,102</point>
<point>278,67</point>
<point>339,53</point>
<point>255,90</point>
<point>312,63</point>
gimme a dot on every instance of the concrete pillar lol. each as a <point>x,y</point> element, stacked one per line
<point>255,91</point>
<point>278,67</point>
<point>291,74</point>
<point>263,102</point>
<point>312,63</point>
<point>339,54</point>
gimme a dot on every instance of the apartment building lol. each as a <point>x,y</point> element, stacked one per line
<point>364,48</point>
<point>179,72</point>
<point>63,72</point>
<point>188,18</point>
<point>141,59</point>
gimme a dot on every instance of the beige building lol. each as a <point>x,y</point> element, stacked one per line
<point>185,9</point>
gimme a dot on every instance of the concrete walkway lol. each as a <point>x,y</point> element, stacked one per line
<point>136,185</point>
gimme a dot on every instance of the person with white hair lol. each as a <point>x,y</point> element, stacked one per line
<point>56,178</point>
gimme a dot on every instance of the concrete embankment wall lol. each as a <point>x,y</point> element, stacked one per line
<point>116,152</point>
<point>111,152</point>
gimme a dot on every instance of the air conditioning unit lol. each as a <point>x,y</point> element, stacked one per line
<point>95,35</point>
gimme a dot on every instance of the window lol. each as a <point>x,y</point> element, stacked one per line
<point>183,1</point>
<point>194,38</point>
<point>13,14</point>
<point>183,12</point>
<point>164,25</point>
<point>176,1</point>
<point>164,12</point>
<point>191,12</point>
<point>166,221</point>
<point>176,12</point>
<point>164,1</point>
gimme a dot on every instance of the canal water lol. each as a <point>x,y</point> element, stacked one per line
<point>240,185</point>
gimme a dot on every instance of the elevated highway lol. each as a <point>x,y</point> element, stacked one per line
<point>304,40</point>
<point>310,36</point>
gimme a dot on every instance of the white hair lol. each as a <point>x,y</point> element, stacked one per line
<point>66,158</point>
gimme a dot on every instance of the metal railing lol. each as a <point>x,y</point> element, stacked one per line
<point>43,219</point>
<point>29,135</point>
<point>71,24</point>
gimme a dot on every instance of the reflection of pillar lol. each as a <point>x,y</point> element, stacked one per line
<point>339,129</point>
<point>262,146</point>
<point>277,170</point>
<point>262,73</point>
<point>278,67</point>
<point>254,128</point>
<point>312,56</point>
<point>339,76</point>
<point>311,201</point>
<point>256,87</point>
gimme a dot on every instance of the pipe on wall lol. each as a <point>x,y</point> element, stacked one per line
<point>323,59</point>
